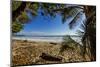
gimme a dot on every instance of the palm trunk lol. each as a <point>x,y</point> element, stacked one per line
<point>89,39</point>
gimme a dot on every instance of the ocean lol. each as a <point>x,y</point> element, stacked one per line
<point>39,38</point>
<point>56,39</point>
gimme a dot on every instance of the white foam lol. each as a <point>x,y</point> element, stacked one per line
<point>43,39</point>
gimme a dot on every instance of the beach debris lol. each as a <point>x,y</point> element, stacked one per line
<point>53,43</point>
<point>49,57</point>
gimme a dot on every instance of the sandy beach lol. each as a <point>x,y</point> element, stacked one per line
<point>40,39</point>
<point>31,53</point>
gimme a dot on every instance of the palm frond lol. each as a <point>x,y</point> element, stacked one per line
<point>74,20</point>
<point>14,3</point>
<point>80,32</point>
<point>23,18</point>
<point>69,12</point>
<point>65,14</point>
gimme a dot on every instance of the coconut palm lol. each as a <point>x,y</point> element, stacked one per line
<point>89,37</point>
<point>19,13</point>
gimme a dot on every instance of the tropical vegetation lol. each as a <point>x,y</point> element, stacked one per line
<point>20,17</point>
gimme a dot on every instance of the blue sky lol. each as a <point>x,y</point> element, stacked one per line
<point>44,25</point>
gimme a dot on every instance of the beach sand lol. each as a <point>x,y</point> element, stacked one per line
<point>30,53</point>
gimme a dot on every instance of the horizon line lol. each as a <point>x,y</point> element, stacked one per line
<point>49,35</point>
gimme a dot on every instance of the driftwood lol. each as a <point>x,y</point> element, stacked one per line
<point>53,43</point>
<point>49,57</point>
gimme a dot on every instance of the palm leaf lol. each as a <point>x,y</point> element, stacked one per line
<point>23,18</point>
<point>74,20</point>
<point>15,5</point>
<point>69,12</point>
<point>65,14</point>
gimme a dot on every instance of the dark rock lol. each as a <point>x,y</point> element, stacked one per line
<point>48,57</point>
<point>53,43</point>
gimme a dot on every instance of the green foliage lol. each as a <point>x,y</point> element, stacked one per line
<point>68,43</point>
<point>23,18</point>
<point>15,5</point>
<point>16,27</point>
<point>66,12</point>
<point>47,9</point>
<point>33,8</point>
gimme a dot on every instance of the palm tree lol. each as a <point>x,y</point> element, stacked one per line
<point>89,37</point>
<point>66,11</point>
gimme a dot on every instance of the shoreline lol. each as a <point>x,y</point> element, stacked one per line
<point>37,40</point>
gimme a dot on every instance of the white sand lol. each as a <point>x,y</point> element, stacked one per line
<point>38,39</point>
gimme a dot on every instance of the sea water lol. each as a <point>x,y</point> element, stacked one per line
<point>39,38</point>
<point>56,39</point>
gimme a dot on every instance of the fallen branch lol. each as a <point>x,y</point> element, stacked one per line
<point>49,57</point>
